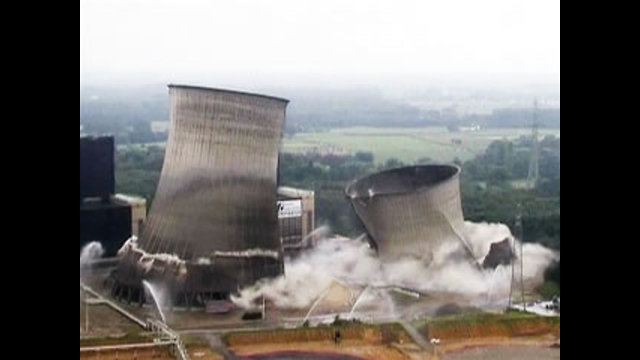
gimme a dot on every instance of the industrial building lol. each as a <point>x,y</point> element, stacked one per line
<point>138,207</point>
<point>97,168</point>
<point>105,217</point>
<point>213,224</point>
<point>106,222</point>
<point>296,217</point>
<point>410,211</point>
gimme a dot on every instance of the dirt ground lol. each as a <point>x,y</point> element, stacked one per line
<point>138,354</point>
<point>460,349</point>
<point>456,346</point>
<point>506,352</point>
<point>196,353</point>
<point>349,347</point>
<point>409,350</point>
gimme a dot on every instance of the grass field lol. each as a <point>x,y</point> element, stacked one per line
<point>405,144</point>
<point>482,324</point>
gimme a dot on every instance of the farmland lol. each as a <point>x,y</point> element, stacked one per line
<point>404,144</point>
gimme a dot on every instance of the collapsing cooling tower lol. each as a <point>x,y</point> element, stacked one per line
<point>410,211</point>
<point>213,224</point>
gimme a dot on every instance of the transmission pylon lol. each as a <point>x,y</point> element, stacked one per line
<point>513,276</point>
<point>532,178</point>
<point>520,235</point>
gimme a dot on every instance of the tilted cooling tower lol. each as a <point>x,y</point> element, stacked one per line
<point>410,211</point>
<point>213,224</point>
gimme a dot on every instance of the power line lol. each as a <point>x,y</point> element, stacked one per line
<point>534,168</point>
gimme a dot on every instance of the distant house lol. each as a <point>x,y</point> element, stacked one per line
<point>473,127</point>
<point>160,127</point>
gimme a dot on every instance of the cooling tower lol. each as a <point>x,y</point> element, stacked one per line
<point>410,211</point>
<point>213,224</point>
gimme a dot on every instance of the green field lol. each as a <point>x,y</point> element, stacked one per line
<point>405,144</point>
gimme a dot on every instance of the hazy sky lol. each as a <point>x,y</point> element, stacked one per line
<point>169,40</point>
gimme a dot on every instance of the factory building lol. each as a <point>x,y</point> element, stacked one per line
<point>213,224</point>
<point>97,168</point>
<point>138,207</point>
<point>105,217</point>
<point>106,222</point>
<point>296,217</point>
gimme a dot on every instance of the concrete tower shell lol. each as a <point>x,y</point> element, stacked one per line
<point>410,211</point>
<point>213,224</point>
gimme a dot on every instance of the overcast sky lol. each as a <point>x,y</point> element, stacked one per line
<point>331,39</point>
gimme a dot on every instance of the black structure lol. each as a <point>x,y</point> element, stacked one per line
<point>97,170</point>
<point>109,223</point>
<point>102,218</point>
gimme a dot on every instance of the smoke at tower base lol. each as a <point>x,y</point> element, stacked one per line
<point>90,252</point>
<point>352,261</point>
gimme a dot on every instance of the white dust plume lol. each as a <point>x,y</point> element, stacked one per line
<point>352,261</point>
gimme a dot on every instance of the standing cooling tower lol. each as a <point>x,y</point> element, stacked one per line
<point>213,224</point>
<point>410,211</point>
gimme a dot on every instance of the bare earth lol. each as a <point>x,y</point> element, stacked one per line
<point>525,348</point>
<point>349,347</point>
<point>509,352</point>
